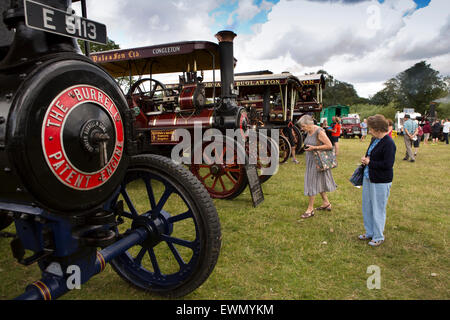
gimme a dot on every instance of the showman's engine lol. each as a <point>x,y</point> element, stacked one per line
<point>66,159</point>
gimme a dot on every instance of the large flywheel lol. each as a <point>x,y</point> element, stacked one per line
<point>185,237</point>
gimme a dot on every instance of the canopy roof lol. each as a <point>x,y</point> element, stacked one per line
<point>162,58</point>
<point>312,79</point>
<point>260,80</point>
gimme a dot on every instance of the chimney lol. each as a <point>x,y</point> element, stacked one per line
<point>228,114</point>
<point>226,62</point>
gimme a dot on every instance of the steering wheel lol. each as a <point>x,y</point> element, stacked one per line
<point>142,92</point>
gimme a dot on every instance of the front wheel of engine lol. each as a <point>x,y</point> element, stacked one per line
<point>184,245</point>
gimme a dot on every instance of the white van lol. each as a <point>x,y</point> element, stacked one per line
<point>400,118</point>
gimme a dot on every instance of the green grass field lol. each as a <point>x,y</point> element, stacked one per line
<point>268,252</point>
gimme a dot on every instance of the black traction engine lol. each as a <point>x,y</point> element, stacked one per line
<point>71,181</point>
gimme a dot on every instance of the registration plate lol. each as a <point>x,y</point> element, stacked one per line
<point>42,17</point>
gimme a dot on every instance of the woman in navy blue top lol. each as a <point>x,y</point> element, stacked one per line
<point>378,174</point>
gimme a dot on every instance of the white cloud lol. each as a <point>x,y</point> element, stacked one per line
<point>144,22</point>
<point>247,10</point>
<point>361,42</point>
<point>365,43</point>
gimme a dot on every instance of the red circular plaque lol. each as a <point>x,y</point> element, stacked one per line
<point>52,137</point>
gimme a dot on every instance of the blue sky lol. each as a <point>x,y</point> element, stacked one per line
<point>222,16</point>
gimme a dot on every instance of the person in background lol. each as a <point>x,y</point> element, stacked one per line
<point>426,132</point>
<point>316,182</point>
<point>435,130</point>
<point>418,137</point>
<point>410,132</point>
<point>446,130</point>
<point>378,175</point>
<point>327,129</point>
<point>336,133</point>
<point>390,127</point>
<point>363,129</point>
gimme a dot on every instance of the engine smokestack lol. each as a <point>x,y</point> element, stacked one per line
<point>226,62</point>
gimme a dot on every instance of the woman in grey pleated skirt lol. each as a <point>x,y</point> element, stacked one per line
<point>316,182</point>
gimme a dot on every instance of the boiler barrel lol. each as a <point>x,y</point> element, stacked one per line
<point>64,123</point>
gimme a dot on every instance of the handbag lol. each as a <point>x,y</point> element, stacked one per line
<point>325,159</point>
<point>357,177</point>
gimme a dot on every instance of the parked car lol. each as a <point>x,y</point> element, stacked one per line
<point>350,127</point>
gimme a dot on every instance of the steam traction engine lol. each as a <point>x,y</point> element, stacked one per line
<point>71,182</point>
<point>161,108</point>
<point>278,101</point>
<point>269,100</point>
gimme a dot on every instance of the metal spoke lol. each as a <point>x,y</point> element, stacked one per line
<point>181,242</point>
<point>162,201</point>
<point>230,177</point>
<point>221,182</point>
<point>154,261</point>
<point>176,254</point>
<point>181,216</point>
<point>140,255</point>
<point>207,176</point>
<point>214,183</point>
<point>150,193</point>
<point>127,214</point>
<point>129,202</point>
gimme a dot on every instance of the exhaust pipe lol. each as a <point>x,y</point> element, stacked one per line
<point>228,114</point>
<point>226,62</point>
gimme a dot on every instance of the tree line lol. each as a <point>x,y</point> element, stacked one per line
<point>415,87</point>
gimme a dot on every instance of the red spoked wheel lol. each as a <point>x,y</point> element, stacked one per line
<point>299,140</point>
<point>222,179</point>
<point>284,149</point>
<point>264,160</point>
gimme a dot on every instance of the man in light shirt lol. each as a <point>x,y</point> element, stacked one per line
<point>446,130</point>
<point>410,133</point>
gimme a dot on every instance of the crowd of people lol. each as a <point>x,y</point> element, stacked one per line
<point>377,164</point>
<point>434,129</point>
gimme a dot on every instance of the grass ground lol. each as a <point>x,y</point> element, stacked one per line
<point>268,252</point>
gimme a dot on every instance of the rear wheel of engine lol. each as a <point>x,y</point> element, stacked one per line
<point>284,149</point>
<point>184,245</point>
<point>264,158</point>
<point>299,147</point>
<point>222,179</point>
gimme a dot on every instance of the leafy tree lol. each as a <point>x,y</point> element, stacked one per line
<point>339,92</point>
<point>443,110</point>
<point>388,94</point>
<point>366,110</point>
<point>418,86</point>
<point>124,82</point>
<point>95,47</point>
